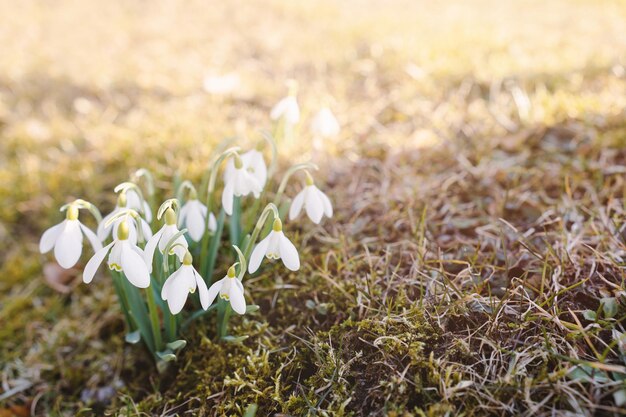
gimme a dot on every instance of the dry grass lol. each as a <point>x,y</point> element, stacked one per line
<point>479,185</point>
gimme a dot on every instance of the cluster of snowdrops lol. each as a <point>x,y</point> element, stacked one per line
<point>174,264</point>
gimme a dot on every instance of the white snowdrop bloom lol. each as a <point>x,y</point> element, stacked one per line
<point>230,289</point>
<point>104,231</point>
<point>193,216</point>
<point>67,239</point>
<point>325,124</point>
<point>240,183</point>
<point>315,203</point>
<point>182,282</point>
<point>287,109</point>
<point>253,162</point>
<point>133,201</point>
<point>275,246</point>
<point>124,256</point>
<point>162,237</point>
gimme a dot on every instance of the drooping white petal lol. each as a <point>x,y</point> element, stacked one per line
<point>91,236</point>
<point>94,263</point>
<point>134,266</point>
<point>328,206</point>
<point>289,253</point>
<point>195,223</point>
<point>214,290</point>
<point>255,164</point>
<point>237,300</point>
<point>145,229</point>
<point>313,205</point>
<point>69,244</point>
<point>50,236</point>
<point>279,109</point>
<point>179,289</point>
<point>258,254</point>
<point>296,205</point>
<point>168,283</point>
<point>228,196</point>
<point>148,253</point>
<point>325,124</point>
<point>203,291</point>
<point>103,232</point>
<point>183,214</point>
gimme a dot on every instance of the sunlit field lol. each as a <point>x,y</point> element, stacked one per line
<point>473,259</point>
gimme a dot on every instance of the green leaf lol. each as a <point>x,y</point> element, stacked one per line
<point>166,355</point>
<point>609,307</point>
<point>214,246</point>
<point>177,344</point>
<point>234,339</point>
<point>133,337</point>
<point>587,373</point>
<point>250,411</point>
<point>252,308</point>
<point>589,315</point>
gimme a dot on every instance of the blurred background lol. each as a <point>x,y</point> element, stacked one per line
<point>92,90</point>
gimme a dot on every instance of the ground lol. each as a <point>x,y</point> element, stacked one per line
<point>475,263</point>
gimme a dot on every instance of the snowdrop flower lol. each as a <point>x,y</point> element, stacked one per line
<point>240,182</point>
<point>133,201</point>
<point>124,257</point>
<point>275,246</point>
<point>315,202</point>
<point>104,231</point>
<point>325,124</point>
<point>287,108</point>
<point>193,216</point>
<point>230,289</point>
<point>182,282</point>
<point>253,163</point>
<point>67,239</point>
<point>162,237</point>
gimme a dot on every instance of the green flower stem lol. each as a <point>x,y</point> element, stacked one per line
<point>288,174</point>
<point>121,295</point>
<point>259,226</point>
<point>171,325</point>
<point>137,311</point>
<point>154,319</point>
<point>209,254</point>
<point>235,222</point>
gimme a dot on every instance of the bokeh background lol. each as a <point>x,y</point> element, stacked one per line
<point>454,115</point>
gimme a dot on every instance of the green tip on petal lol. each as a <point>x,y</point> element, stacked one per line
<point>231,272</point>
<point>277,226</point>
<point>72,212</point>
<point>170,217</point>
<point>122,231</point>
<point>188,259</point>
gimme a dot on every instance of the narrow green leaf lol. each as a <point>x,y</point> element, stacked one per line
<point>177,344</point>
<point>250,411</point>
<point>252,308</point>
<point>234,339</point>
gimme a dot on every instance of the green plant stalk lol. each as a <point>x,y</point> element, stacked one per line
<point>154,319</point>
<point>223,314</point>
<point>121,295</point>
<point>235,222</point>
<point>257,229</point>
<point>138,311</point>
<point>213,249</point>
<point>170,322</point>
